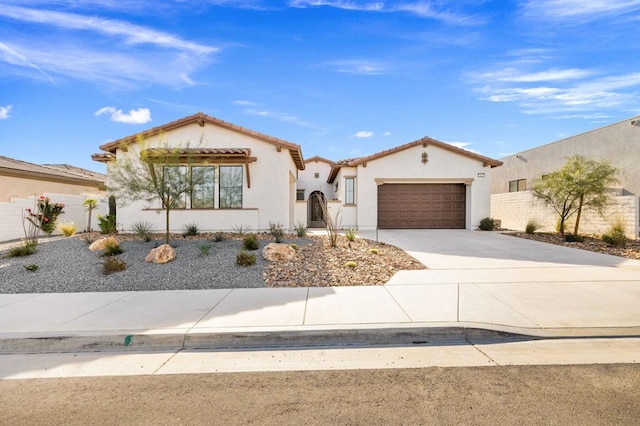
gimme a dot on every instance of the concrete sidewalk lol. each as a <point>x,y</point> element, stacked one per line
<point>481,285</point>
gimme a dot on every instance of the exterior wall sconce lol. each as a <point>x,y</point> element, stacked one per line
<point>480,174</point>
<point>425,158</point>
<point>316,175</point>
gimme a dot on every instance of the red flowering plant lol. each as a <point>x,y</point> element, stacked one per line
<point>45,215</point>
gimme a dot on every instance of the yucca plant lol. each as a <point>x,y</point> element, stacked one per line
<point>142,229</point>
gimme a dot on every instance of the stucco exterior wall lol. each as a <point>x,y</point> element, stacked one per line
<point>515,209</point>
<point>619,143</point>
<point>443,167</point>
<point>308,181</point>
<point>12,187</point>
<point>268,200</point>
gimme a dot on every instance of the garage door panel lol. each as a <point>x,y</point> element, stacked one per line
<point>421,206</point>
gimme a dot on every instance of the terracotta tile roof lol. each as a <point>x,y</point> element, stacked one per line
<point>202,119</point>
<point>57,172</point>
<point>103,157</point>
<point>426,141</point>
<point>318,158</point>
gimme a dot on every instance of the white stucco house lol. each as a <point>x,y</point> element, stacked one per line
<point>513,204</point>
<point>258,179</point>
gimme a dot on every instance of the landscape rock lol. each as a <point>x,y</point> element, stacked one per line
<point>163,254</point>
<point>275,252</point>
<point>101,243</point>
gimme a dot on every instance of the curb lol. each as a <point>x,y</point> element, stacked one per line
<point>444,334</point>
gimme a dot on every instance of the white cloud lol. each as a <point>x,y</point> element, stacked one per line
<point>579,9</point>
<point>387,133</point>
<point>253,108</point>
<point>359,66</point>
<point>4,112</point>
<point>135,116</point>
<point>363,134</point>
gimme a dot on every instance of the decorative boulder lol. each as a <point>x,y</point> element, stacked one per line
<point>163,254</point>
<point>275,252</point>
<point>101,243</point>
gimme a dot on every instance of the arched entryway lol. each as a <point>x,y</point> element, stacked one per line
<point>316,207</point>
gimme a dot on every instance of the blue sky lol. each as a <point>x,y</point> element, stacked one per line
<point>342,78</point>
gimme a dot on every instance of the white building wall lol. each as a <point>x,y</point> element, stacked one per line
<point>267,201</point>
<point>443,167</point>
<point>310,183</point>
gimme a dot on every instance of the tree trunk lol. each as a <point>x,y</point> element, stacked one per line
<point>575,228</point>
<point>166,235</point>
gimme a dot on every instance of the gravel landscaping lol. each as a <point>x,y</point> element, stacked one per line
<point>66,265</point>
<point>591,243</point>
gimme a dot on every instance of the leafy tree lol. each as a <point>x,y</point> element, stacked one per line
<point>580,184</point>
<point>162,174</point>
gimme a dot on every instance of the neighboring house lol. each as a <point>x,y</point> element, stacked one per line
<point>21,182</point>
<point>20,179</point>
<point>619,143</point>
<point>422,184</point>
<point>252,176</point>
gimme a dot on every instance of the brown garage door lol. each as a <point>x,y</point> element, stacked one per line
<point>421,206</point>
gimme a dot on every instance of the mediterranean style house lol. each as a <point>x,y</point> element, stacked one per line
<point>619,143</point>
<point>256,180</point>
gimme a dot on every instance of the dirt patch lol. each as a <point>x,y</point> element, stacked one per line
<point>320,265</point>
<point>590,243</point>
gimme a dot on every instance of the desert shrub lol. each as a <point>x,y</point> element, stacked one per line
<point>250,242</point>
<point>26,249</point>
<point>301,229</point>
<point>88,238</point>
<point>190,230</point>
<point>241,229</point>
<point>245,259</point>
<point>112,264</point>
<point>293,246</point>
<point>111,249</point>
<point>532,226</point>
<point>350,234</point>
<point>373,251</point>
<point>351,264</point>
<point>487,224</point>
<point>31,268</point>
<point>143,230</point>
<point>107,224</point>
<point>218,236</point>
<point>204,249</point>
<point>275,229</point>
<point>573,238</point>
<point>616,235</point>
<point>68,228</point>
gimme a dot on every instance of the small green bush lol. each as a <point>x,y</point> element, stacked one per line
<point>487,224</point>
<point>111,249</point>
<point>351,264</point>
<point>241,229</point>
<point>301,229</point>
<point>204,249</point>
<point>275,229</point>
<point>26,249</point>
<point>31,268</point>
<point>142,230</point>
<point>112,264</point>
<point>532,226</point>
<point>191,230</point>
<point>616,235</point>
<point>250,242</point>
<point>293,246</point>
<point>68,228</point>
<point>373,251</point>
<point>107,224</point>
<point>245,259</point>
<point>218,236</point>
<point>350,234</point>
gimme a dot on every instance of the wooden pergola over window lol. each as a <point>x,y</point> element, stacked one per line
<point>200,156</point>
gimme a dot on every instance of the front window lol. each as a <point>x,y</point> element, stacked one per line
<point>300,195</point>
<point>518,185</point>
<point>202,189</point>
<point>174,185</point>
<point>350,190</point>
<point>230,187</point>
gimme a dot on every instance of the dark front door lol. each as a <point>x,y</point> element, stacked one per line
<point>317,204</point>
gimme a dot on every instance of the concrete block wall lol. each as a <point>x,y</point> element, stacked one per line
<point>515,209</point>
<point>11,214</point>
